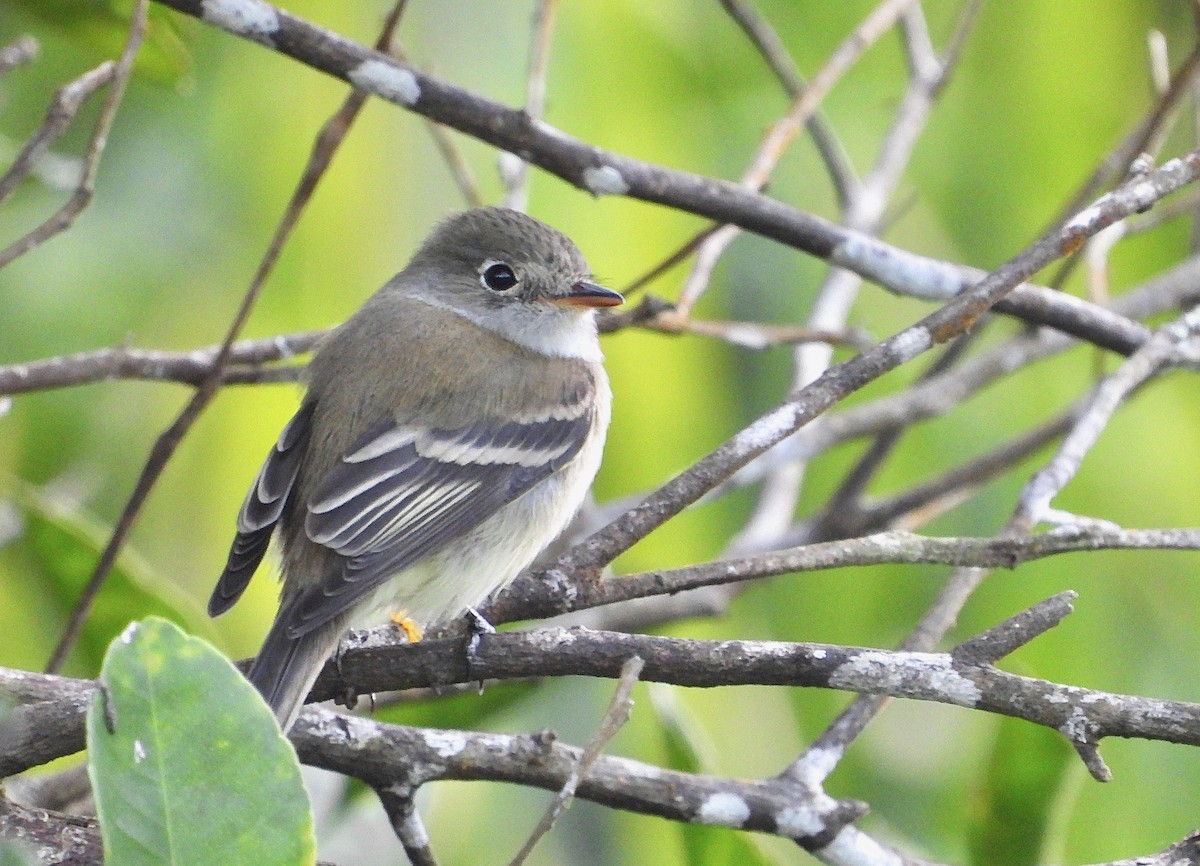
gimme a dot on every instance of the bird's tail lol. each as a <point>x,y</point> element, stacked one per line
<point>287,667</point>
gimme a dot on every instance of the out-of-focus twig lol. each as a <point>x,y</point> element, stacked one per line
<point>59,116</point>
<point>1175,343</point>
<point>615,718</point>
<point>766,39</point>
<point>21,51</point>
<point>782,133</point>
<point>324,147</point>
<point>515,170</point>
<point>776,501</point>
<point>246,360</point>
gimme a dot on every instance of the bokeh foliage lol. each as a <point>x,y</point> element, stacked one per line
<point>203,157</point>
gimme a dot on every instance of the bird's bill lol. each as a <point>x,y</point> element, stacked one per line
<point>585,294</point>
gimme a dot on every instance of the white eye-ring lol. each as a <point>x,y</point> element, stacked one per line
<point>497,276</point>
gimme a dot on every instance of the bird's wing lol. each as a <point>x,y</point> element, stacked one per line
<point>260,512</point>
<point>404,491</point>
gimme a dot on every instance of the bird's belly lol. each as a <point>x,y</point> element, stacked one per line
<point>469,569</point>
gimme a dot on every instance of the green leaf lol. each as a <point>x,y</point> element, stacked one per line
<point>187,763</point>
<point>467,709</point>
<point>12,854</point>
<point>101,28</point>
<point>62,545</point>
<point>1023,778</point>
<point>689,750</point>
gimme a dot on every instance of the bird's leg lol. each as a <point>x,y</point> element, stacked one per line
<point>477,627</point>
<point>349,696</point>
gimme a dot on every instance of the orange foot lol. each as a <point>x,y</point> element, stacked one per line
<point>410,627</point>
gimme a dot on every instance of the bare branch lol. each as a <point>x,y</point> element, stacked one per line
<point>246,360</point>
<point>602,172</point>
<point>544,595</point>
<point>945,324</point>
<point>782,133</point>
<point>59,116</point>
<point>72,838</point>
<point>1167,346</point>
<point>397,802</point>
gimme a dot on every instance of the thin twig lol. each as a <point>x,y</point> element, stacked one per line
<point>82,196</point>
<point>954,483</point>
<point>768,43</point>
<point>58,117</point>
<point>750,335</point>
<point>530,597</point>
<point>783,132</point>
<point>605,172</point>
<point>1116,164</point>
<point>324,147</point>
<point>1175,289</point>
<point>514,169</point>
<point>671,260</point>
<point>777,500</point>
<point>804,405</point>
<point>1162,349</point>
<point>397,802</point>
<point>460,169</point>
<point>822,756</point>
<point>845,500</point>
<point>615,718</point>
<point>452,155</point>
<point>246,360</point>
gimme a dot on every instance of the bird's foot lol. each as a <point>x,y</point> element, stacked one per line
<point>411,628</point>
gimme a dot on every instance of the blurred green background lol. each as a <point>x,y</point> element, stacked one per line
<point>205,153</point>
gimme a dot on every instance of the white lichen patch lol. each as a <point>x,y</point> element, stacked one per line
<point>767,430</point>
<point>911,342</point>
<point>1076,728</point>
<point>897,270</point>
<point>724,809</point>
<point>745,335</point>
<point>604,180</point>
<point>817,764</point>
<point>250,18</point>
<point>447,744</point>
<point>349,730</point>
<point>1084,219</point>
<point>798,822</point>
<point>550,639</point>
<point>902,674</point>
<point>554,132</point>
<point>392,82</point>
<point>957,688</point>
<point>853,848</point>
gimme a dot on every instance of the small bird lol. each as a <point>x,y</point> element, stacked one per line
<point>450,430</point>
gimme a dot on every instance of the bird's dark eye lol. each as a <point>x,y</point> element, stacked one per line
<point>498,277</point>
